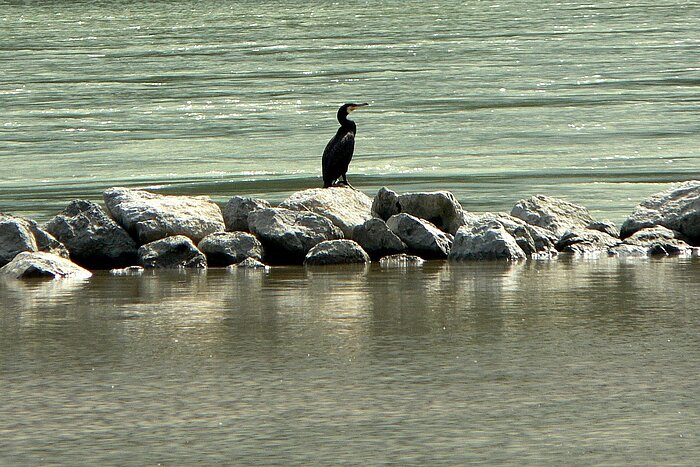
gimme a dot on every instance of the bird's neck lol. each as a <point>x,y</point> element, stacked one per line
<point>346,123</point>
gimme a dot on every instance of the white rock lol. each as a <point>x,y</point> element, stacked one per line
<point>288,235</point>
<point>28,265</point>
<point>553,214</point>
<point>226,248</point>
<point>677,208</point>
<point>490,241</point>
<point>150,216</point>
<point>420,236</point>
<point>345,207</point>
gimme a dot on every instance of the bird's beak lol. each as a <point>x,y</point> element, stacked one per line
<point>352,108</point>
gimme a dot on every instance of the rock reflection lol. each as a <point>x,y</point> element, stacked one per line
<point>297,303</point>
<point>38,295</point>
<point>344,307</point>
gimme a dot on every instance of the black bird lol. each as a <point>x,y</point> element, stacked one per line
<point>338,152</point>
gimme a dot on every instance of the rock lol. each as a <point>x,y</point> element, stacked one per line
<point>27,265</point>
<point>659,240</point>
<point>171,252</point>
<point>18,234</point>
<point>585,241</point>
<point>128,271</point>
<point>345,207</point>
<point>288,235</point>
<point>490,241</point>
<point>440,208</point>
<point>226,248</point>
<point>420,236</point>
<point>677,208</point>
<point>336,252</point>
<point>236,212</point>
<point>148,216</point>
<point>249,263</point>
<point>605,226</point>
<point>93,239</point>
<point>531,239</point>
<point>401,260</point>
<point>553,214</point>
<point>376,239</point>
<point>385,204</point>
<point>625,250</point>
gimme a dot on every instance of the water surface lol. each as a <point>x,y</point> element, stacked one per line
<point>596,102</point>
<point>585,361</point>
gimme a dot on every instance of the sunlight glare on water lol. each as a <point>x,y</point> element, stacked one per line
<point>595,103</point>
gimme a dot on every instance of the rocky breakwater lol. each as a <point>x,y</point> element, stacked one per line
<point>332,226</point>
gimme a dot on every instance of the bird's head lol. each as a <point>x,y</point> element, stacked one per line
<point>345,109</point>
<point>352,107</point>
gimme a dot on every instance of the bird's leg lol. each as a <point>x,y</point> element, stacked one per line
<point>346,183</point>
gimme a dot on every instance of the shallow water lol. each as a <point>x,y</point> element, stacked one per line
<point>584,361</point>
<point>595,102</point>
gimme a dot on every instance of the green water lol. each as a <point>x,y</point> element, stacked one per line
<point>594,102</point>
<point>563,362</point>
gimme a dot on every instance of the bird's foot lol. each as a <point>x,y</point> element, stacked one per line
<point>340,184</point>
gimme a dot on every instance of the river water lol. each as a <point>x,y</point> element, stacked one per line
<point>596,102</point>
<point>539,362</point>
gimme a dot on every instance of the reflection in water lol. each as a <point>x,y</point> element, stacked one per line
<point>533,362</point>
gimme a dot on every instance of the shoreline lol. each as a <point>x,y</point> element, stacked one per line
<point>138,229</point>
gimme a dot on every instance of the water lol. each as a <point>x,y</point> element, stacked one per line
<point>567,361</point>
<point>596,102</point>
<point>552,362</point>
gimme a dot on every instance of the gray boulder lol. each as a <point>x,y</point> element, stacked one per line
<point>490,241</point>
<point>249,263</point>
<point>225,248</point>
<point>28,265</point>
<point>288,235</point>
<point>93,239</point>
<point>345,207</point>
<point>605,226</point>
<point>531,239</point>
<point>18,234</point>
<point>171,252</point>
<point>677,208</point>
<point>553,214</point>
<point>659,240</point>
<point>420,236</point>
<point>585,242</point>
<point>336,252</point>
<point>401,260</point>
<point>148,216</point>
<point>376,239</point>
<point>625,250</point>
<point>385,204</point>
<point>237,209</point>
<point>440,208</point>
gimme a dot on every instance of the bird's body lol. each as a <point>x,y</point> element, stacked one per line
<point>339,150</point>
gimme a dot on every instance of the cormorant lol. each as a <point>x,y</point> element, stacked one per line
<point>338,152</point>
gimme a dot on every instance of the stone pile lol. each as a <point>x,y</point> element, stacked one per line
<point>140,229</point>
